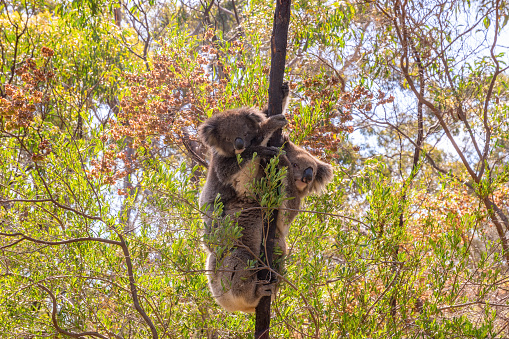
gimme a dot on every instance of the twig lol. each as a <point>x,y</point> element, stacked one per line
<point>55,322</point>
<point>470,304</point>
<point>55,243</point>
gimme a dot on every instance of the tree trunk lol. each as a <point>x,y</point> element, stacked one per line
<point>277,68</point>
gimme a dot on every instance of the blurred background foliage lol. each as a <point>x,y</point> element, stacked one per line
<point>101,168</point>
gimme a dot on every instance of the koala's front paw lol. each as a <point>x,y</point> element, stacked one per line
<point>266,290</point>
<point>278,121</point>
<point>269,152</point>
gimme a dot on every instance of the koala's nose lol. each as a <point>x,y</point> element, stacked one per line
<point>307,176</point>
<point>239,144</point>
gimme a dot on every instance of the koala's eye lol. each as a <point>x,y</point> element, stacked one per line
<point>294,165</point>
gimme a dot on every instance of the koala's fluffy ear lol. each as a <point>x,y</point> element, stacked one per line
<point>208,132</point>
<point>257,118</point>
<point>323,176</point>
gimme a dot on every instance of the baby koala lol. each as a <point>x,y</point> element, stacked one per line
<point>305,175</point>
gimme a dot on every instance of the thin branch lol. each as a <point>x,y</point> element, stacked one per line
<point>426,154</point>
<point>62,242</point>
<point>6,201</point>
<point>341,80</point>
<point>225,10</point>
<point>403,38</point>
<point>470,304</point>
<point>235,12</point>
<point>134,290</point>
<point>459,104</point>
<point>52,200</point>
<point>195,156</point>
<point>488,95</point>
<point>383,293</point>
<point>12,244</point>
<point>55,322</point>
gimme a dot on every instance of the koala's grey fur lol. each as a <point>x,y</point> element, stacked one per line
<point>225,175</point>
<point>233,284</point>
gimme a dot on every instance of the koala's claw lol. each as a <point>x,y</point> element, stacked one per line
<point>279,120</point>
<point>269,151</point>
<point>285,89</point>
<point>273,279</point>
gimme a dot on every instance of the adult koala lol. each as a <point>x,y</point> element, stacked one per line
<point>242,131</point>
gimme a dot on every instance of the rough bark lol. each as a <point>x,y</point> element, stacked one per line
<point>277,68</point>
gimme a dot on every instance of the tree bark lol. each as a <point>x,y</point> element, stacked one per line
<point>277,69</point>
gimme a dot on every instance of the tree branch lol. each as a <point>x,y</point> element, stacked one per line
<point>403,37</point>
<point>55,243</point>
<point>55,322</point>
<point>134,290</point>
<point>487,128</point>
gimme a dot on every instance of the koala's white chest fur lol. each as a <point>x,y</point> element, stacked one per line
<point>243,180</point>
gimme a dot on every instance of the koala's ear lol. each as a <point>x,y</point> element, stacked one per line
<point>323,176</point>
<point>256,117</point>
<point>208,132</point>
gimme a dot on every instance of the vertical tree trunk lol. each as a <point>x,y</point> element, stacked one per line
<point>277,68</point>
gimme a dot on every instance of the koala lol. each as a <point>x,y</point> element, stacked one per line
<point>305,175</point>
<point>241,131</point>
<point>232,274</point>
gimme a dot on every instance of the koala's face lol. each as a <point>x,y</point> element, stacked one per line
<point>309,173</point>
<point>230,132</point>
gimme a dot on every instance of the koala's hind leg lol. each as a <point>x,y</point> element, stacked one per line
<point>285,92</point>
<point>285,89</point>
<point>234,285</point>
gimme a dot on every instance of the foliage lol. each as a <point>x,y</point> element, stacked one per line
<point>101,168</point>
